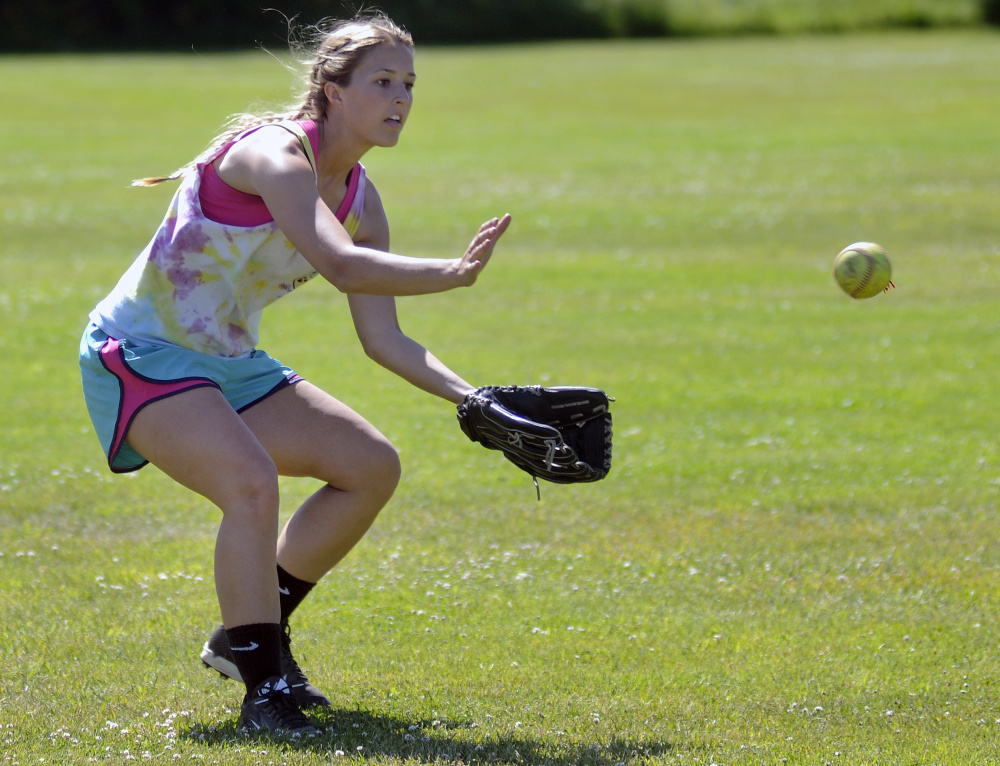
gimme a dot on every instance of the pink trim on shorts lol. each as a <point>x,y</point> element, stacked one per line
<point>137,391</point>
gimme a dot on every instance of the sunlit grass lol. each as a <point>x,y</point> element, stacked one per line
<point>794,556</point>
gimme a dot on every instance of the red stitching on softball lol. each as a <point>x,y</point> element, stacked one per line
<point>870,260</point>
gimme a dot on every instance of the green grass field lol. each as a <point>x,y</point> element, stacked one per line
<point>795,558</point>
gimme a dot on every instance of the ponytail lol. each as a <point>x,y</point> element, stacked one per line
<point>334,49</point>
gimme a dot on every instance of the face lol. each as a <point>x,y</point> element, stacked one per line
<point>377,100</point>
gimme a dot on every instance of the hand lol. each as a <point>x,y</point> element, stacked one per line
<point>479,251</point>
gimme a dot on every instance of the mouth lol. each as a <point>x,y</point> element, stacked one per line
<point>395,121</point>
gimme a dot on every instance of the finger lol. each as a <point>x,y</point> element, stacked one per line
<point>490,233</point>
<point>485,232</point>
<point>481,248</point>
<point>479,256</point>
<point>497,226</point>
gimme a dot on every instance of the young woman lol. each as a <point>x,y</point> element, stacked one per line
<point>172,374</point>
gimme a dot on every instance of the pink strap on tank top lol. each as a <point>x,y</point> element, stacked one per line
<point>221,203</point>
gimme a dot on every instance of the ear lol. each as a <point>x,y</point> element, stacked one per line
<point>332,92</point>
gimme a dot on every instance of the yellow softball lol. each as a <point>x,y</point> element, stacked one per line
<point>863,270</point>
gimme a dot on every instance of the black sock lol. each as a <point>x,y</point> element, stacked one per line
<point>256,651</point>
<point>291,592</point>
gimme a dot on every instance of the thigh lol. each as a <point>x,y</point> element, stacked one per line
<point>307,432</point>
<point>197,439</point>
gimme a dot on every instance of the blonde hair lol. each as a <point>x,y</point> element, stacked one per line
<point>332,50</point>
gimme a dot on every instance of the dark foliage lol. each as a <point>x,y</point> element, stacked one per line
<point>91,25</point>
<point>991,12</point>
<point>205,25</point>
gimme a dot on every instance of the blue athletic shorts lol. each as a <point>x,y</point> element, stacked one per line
<point>120,377</point>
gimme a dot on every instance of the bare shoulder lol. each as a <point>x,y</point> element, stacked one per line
<point>268,151</point>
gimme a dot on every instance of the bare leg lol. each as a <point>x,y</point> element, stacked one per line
<point>199,441</point>
<point>309,433</point>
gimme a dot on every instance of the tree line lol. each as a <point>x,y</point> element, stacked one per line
<point>124,25</point>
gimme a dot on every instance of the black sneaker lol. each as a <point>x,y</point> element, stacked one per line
<point>271,708</point>
<point>217,654</point>
<point>306,695</point>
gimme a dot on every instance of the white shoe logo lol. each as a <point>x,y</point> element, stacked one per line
<point>270,688</point>
<point>284,591</point>
<point>253,645</point>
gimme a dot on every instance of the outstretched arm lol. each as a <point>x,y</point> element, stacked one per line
<point>271,164</point>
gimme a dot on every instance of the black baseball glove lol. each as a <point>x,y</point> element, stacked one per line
<point>561,434</point>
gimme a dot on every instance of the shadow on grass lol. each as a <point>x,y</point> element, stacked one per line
<point>355,732</point>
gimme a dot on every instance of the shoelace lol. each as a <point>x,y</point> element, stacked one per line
<point>287,712</point>
<point>290,668</point>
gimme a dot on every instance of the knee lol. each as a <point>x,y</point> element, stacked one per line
<point>251,497</point>
<point>384,470</point>
<point>377,472</point>
<point>393,468</point>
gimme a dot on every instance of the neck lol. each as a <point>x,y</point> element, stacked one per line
<point>338,154</point>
